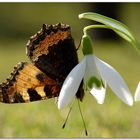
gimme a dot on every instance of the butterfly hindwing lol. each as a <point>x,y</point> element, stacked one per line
<point>27,83</point>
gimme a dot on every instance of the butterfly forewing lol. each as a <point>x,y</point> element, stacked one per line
<point>53,51</point>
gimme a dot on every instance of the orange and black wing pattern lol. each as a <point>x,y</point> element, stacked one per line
<point>53,55</point>
<point>53,51</point>
<point>26,84</point>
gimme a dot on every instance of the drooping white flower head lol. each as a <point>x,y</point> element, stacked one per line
<point>97,75</point>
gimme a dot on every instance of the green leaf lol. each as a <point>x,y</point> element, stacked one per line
<point>118,27</point>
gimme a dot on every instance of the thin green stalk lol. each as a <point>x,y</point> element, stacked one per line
<point>94,26</point>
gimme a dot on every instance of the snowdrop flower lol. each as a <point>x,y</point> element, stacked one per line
<point>97,74</point>
<point>137,93</point>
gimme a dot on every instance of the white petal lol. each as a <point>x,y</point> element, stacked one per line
<point>92,71</point>
<point>71,84</point>
<point>99,94</point>
<point>137,93</point>
<point>115,81</point>
<point>91,68</point>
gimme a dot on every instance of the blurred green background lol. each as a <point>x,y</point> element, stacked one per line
<point>113,119</point>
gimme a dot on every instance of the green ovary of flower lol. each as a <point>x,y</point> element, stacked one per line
<point>87,45</point>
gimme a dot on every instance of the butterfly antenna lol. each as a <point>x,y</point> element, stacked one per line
<point>79,45</point>
<point>86,132</point>
<point>63,126</point>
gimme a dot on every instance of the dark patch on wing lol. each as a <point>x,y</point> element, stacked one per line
<point>34,96</point>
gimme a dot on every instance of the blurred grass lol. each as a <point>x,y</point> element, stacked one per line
<point>43,119</point>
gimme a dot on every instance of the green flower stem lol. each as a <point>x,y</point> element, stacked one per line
<point>119,28</point>
<point>133,42</point>
<point>86,40</point>
<point>107,27</point>
<point>94,26</point>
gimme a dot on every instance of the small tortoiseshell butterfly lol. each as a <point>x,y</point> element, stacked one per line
<point>53,55</point>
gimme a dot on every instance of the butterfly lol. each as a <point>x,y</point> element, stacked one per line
<point>53,55</point>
